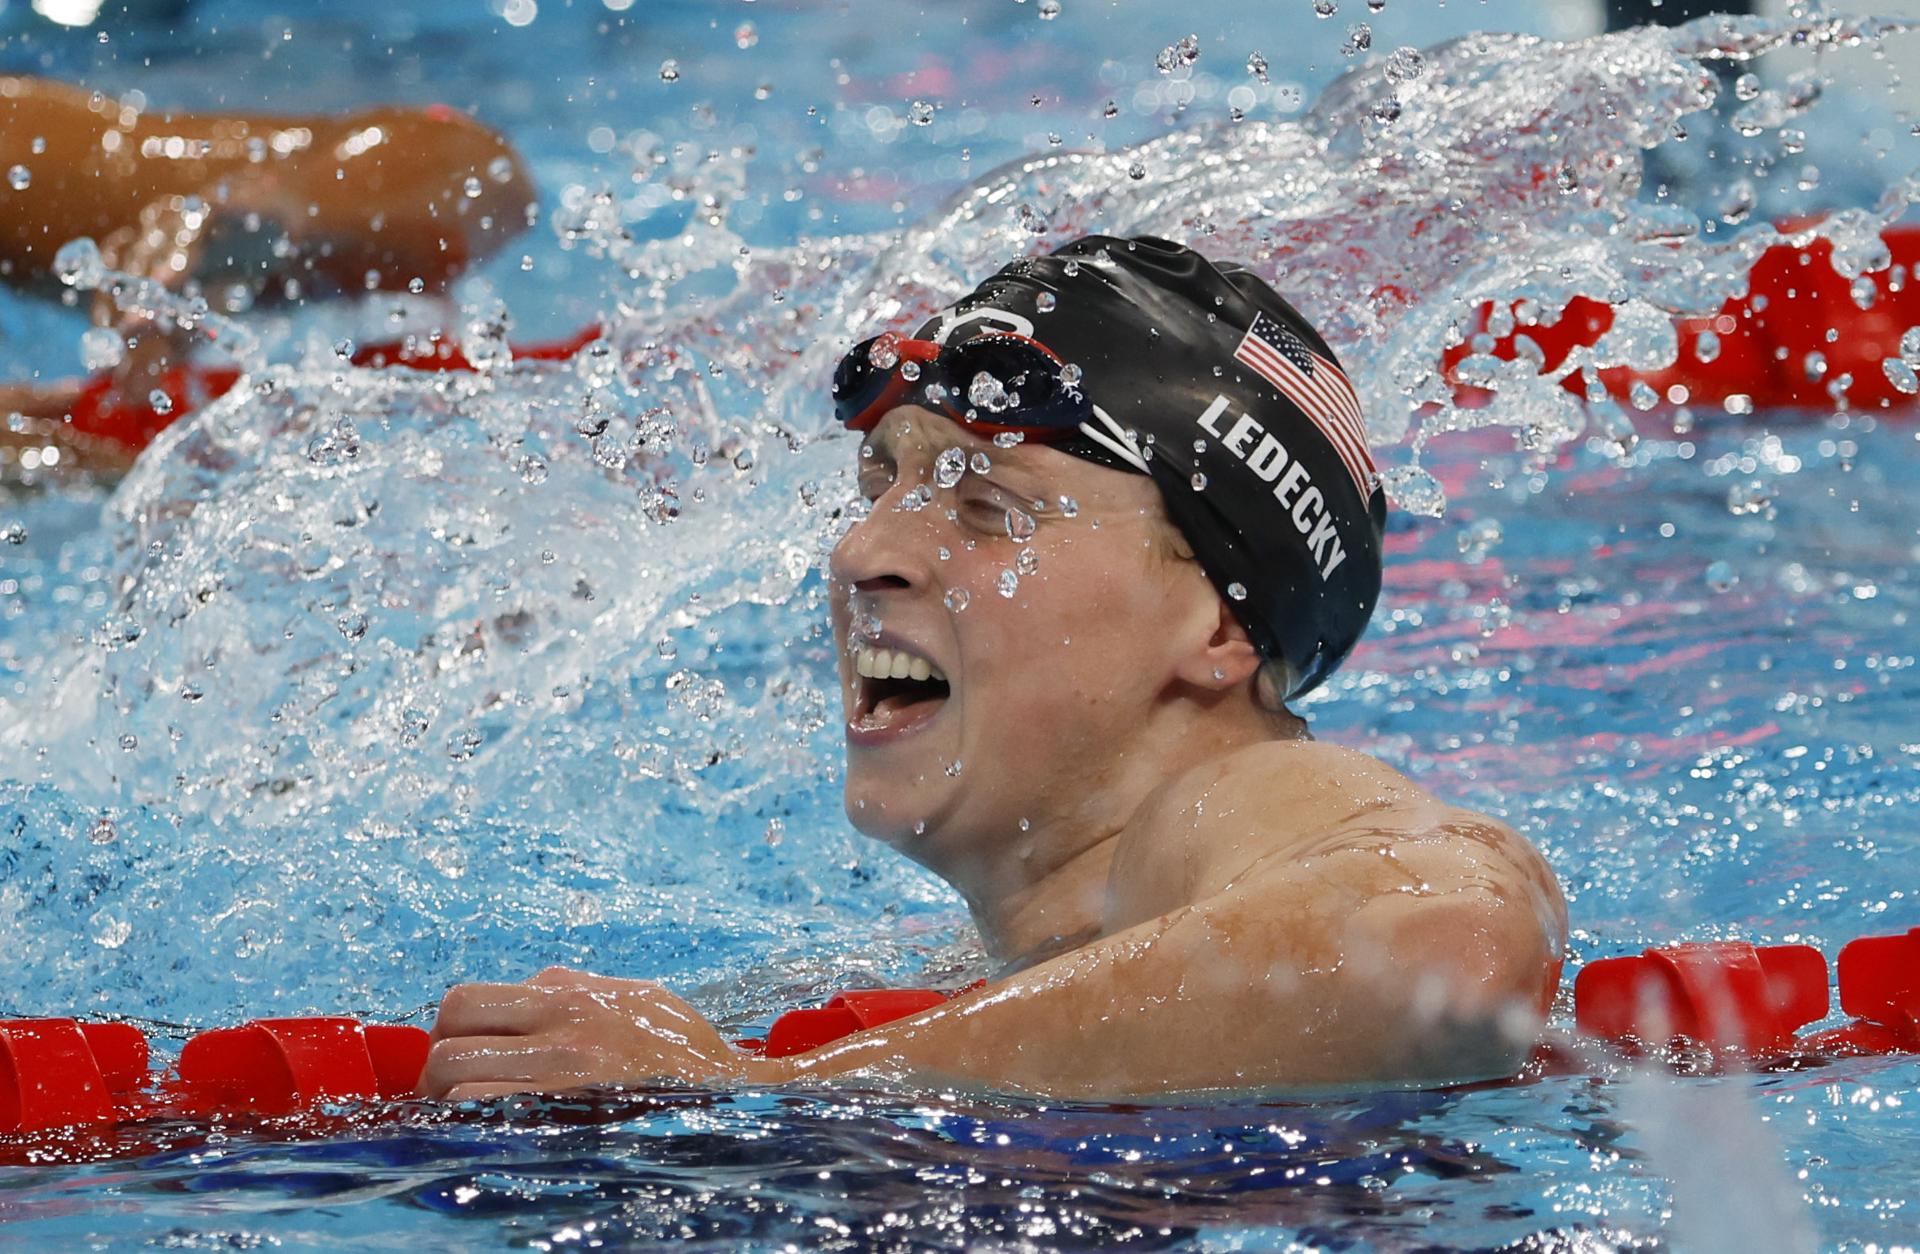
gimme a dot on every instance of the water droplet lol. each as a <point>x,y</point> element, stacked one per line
<point>670,71</point>
<point>981,464</point>
<point>1325,8</point>
<point>1008,439</point>
<point>111,933</point>
<point>159,402</point>
<point>745,36</point>
<point>920,113</point>
<point>1008,583</point>
<point>1901,375</point>
<point>413,724</point>
<point>918,497</point>
<point>1199,481</point>
<point>1069,508</point>
<point>1031,220</point>
<point>1257,66</point>
<point>473,187</point>
<point>129,742</point>
<point>987,393</point>
<point>533,469</point>
<point>1238,591</point>
<point>958,599</point>
<point>884,353</point>
<point>950,467</point>
<point>1385,111</point>
<point>1747,86</point>
<point>1070,375</point>
<point>14,533</point>
<point>1359,39</point>
<point>776,832</point>
<point>19,178</point>
<point>1706,346</point>
<point>102,348</point>
<point>1478,538</point>
<point>1751,496</point>
<point>1137,170</point>
<point>1028,563</point>
<point>353,626</point>
<point>1642,396</point>
<point>1020,525</point>
<point>1910,347</point>
<point>78,264</point>
<point>1405,64</point>
<point>1721,576</point>
<point>1112,110</point>
<point>1046,302</point>
<point>1049,9</point>
<point>1178,55</point>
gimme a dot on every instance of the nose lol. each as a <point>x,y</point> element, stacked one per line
<point>888,550</point>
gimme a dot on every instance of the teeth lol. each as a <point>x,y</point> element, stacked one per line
<point>873,663</point>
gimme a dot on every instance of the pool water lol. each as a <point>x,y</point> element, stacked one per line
<point>363,685</point>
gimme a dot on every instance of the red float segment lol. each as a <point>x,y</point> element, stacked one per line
<point>48,1077</point>
<point>799,1031</point>
<point>1880,984</point>
<point>277,1066</point>
<point>399,1055</point>
<point>1726,995</point>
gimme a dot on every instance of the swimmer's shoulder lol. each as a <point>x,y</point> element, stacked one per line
<point>1286,801</point>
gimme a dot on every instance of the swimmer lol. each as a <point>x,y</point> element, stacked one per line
<point>1069,666</point>
<point>242,209</point>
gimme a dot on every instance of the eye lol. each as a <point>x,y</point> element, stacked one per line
<point>986,507</point>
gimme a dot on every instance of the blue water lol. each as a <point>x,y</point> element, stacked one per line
<point>426,717</point>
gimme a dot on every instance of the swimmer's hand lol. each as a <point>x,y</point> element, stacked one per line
<point>566,1029</point>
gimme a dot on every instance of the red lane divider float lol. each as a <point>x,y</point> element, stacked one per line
<point>1737,999</point>
<point>56,1073</point>
<point>1796,339</point>
<point>1740,1001</point>
<point>102,412</point>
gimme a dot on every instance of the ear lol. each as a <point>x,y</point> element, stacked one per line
<point>1226,660</point>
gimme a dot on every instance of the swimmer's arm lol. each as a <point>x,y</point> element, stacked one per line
<point>1349,968</point>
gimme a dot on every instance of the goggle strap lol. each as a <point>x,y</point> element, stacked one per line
<point>1114,439</point>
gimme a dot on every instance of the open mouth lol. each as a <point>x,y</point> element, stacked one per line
<point>895,689</point>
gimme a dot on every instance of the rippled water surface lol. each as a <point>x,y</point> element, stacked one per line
<point>366,683</point>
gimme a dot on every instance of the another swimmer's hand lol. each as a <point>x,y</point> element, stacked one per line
<point>567,1029</point>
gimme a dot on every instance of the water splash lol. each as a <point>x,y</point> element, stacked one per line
<point>546,627</point>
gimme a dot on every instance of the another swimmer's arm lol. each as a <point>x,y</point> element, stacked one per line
<point>1435,964</point>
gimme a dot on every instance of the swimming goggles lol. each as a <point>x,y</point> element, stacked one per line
<point>997,382</point>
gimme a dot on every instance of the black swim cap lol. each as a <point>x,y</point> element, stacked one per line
<point>1202,377</point>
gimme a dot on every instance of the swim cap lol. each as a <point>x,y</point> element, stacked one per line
<point>1202,377</point>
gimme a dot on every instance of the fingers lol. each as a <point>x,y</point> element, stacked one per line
<point>491,1010</point>
<point>525,1064</point>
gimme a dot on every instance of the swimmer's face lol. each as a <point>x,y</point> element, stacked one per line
<point>1038,590</point>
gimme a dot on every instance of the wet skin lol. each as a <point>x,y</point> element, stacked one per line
<point>244,208</point>
<point>1190,893</point>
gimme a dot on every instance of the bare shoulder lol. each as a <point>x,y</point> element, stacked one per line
<point>1252,814</point>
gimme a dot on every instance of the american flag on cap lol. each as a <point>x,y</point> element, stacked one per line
<point>1317,386</point>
